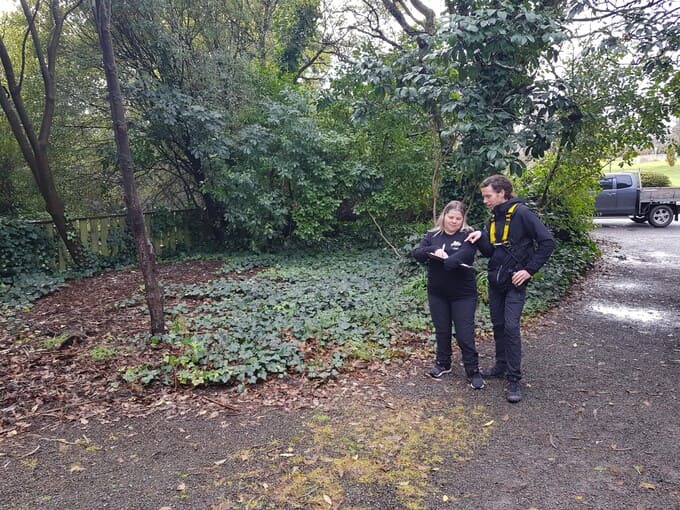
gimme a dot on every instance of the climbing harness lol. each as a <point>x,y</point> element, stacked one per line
<point>506,227</point>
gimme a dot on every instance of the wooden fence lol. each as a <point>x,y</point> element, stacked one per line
<point>171,232</point>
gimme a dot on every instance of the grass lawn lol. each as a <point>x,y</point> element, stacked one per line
<point>661,166</point>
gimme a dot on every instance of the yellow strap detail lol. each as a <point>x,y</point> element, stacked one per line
<point>506,227</point>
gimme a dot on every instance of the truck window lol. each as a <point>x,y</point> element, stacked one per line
<point>607,182</point>
<point>624,181</point>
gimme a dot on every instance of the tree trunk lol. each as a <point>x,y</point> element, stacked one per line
<point>436,129</point>
<point>145,252</point>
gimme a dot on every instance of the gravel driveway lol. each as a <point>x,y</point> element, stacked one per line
<point>599,425</point>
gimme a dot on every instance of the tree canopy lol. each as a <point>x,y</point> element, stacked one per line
<point>290,121</point>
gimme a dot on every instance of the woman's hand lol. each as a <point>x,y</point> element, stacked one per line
<point>441,253</point>
<point>473,237</point>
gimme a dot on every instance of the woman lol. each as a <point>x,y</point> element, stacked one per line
<point>451,290</point>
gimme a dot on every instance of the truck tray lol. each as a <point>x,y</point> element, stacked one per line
<point>659,194</point>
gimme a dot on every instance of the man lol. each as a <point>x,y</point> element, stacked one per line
<point>517,245</point>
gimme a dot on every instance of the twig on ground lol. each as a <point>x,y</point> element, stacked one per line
<point>61,440</point>
<point>29,453</point>
<point>222,404</point>
<point>383,236</point>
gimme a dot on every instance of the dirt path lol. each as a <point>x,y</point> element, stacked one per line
<point>598,427</point>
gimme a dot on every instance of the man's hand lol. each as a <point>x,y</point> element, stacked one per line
<point>473,237</point>
<point>520,277</point>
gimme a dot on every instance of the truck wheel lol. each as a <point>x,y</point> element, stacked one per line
<point>639,219</point>
<point>660,216</point>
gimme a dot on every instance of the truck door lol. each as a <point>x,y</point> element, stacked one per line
<point>605,201</point>
<point>618,196</point>
<point>626,195</point>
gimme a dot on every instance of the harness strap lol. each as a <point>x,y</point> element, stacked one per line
<point>506,227</point>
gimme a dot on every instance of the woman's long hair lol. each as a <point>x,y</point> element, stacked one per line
<point>455,205</point>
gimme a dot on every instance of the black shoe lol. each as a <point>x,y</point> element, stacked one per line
<point>494,371</point>
<point>438,370</point>
<point>514,392</point>
<point>476,381</point>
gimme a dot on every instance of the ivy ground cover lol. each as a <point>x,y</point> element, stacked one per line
<point>268,316</point>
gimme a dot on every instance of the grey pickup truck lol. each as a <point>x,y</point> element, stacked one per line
<point>622,195</point>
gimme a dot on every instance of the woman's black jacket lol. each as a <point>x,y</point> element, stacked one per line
<point>446,277</point>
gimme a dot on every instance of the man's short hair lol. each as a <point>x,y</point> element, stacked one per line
<point>498,183</point>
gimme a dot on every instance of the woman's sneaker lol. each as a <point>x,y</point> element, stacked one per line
<point>476,381</point>
<point>438,370</point>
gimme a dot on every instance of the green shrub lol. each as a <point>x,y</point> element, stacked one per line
<point>26,268</point>
<point>23,248</point>
<point>567,207</point>
<point>654,180</point>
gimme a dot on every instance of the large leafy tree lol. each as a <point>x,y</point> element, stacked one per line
<point>31,124</point>
<point>623,85</point>
<point>647,32</point>
<point>198,75</point>
<point>476,75</point>
<point>186,86</point>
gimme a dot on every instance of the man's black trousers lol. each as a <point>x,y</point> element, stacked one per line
<point>505,307</point>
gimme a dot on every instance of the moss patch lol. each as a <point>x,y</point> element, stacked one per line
<point>364,453</point>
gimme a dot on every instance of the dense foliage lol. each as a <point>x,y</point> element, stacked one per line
<point>274,315</point>
<point>289,127</point>
<point>314,315</point>
<point>27,268</point>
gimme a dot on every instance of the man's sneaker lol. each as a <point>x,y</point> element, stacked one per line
<point>476,381</point>
<point>494,371</point>
<point>438,370</point>
<point>514,392</point>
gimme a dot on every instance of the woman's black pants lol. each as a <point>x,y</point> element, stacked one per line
<point>461,313</point>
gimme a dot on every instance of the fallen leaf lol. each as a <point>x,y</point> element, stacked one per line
<point>220,462</point>
<point>75,468</point>
<point>646,485</point>
<point>489,423</point>
<point>328,499</point>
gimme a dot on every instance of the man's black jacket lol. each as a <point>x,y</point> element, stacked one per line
<point>530,242</point>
